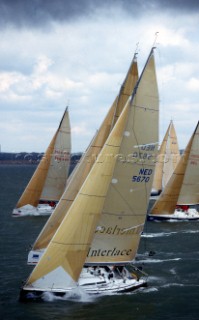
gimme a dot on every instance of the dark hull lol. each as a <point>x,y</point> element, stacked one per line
<point>159,218</point>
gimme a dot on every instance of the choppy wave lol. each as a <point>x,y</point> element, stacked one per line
<point>190,231</point>
<point>168,285</point>
<point>150,260</point>
<point>167,234</point>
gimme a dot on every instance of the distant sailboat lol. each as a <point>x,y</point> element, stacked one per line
<point>181,194</point>
<point>101,231</point>
<point>168,157</point>
<point>49,180</point>
<point>81,171</point>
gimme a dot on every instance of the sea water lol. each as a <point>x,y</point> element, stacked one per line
<point>173,268</point>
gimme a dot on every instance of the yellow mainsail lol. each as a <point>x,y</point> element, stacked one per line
<point>80,173</point>
<point>49,180</point>
<point>182,187</point>
<point>168,157</point>
<point>126,162</point>
<point>118,231</point>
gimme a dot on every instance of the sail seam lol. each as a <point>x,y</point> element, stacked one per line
<point>123,214</point>
<point>71,244</point>
<point>146,108</point>
<point>92,195</point>
<point>112,145</point>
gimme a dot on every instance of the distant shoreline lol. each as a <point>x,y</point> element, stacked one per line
<point>26,158</point>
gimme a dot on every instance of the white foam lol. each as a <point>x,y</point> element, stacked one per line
<point>77,294</point>
<point>173,271</point>
<point>157,260</point>
<point>151,289</point>
<point>168,285</point>
<point>190,231</point>
<point>157,235</point>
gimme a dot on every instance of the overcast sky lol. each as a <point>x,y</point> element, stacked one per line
<point>77,52</point>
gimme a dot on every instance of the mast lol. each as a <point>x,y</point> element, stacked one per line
<point>118,231</point>
<point>189,192</point>
<point>68,249</point>
<point>55,182</point>
<point>181,186</point>
<point>158,177</point>
<point>81,171</point>
<point>45,181</point>
<point>167,159</point>
<point>172,155</point>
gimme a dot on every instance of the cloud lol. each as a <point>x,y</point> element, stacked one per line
<point>40,13</point>
<point>193,84</point>
<point>81,60</point>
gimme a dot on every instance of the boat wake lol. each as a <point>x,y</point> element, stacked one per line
<point>167,234</point>
<point>149,290</point>
<point>157,235</point>
<point>76,295</point>
<point>144,261</point>
<point>168,285</point>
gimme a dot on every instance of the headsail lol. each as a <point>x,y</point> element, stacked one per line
<point>81,171</point>
<point>118,232</point>
<point>49,180</point>
<point>168,157</point>
<point>189,192</point>
<point>182,187</point>
<point>136,131</point>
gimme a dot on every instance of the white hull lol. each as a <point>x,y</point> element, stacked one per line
<point>34,256</point>
<point>92,280</point>
<point>28,210</point>
<point>190,214</point>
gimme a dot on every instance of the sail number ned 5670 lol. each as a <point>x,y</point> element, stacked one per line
<point>144,175</point>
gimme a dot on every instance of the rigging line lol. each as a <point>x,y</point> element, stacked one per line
<point>91,195</point>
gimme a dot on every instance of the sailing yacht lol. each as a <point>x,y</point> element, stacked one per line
<point>78,176</point>
<point>168,157</point>
<point>102,228</point>
<point>49,179</point>
<point>180,197</point>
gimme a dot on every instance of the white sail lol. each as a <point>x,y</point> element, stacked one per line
<point>124,167</point>
<point>189,192</point>
<point>49,179</point>
<point>168,157</point>
<point>59,165</point>
<point>183,186</point>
